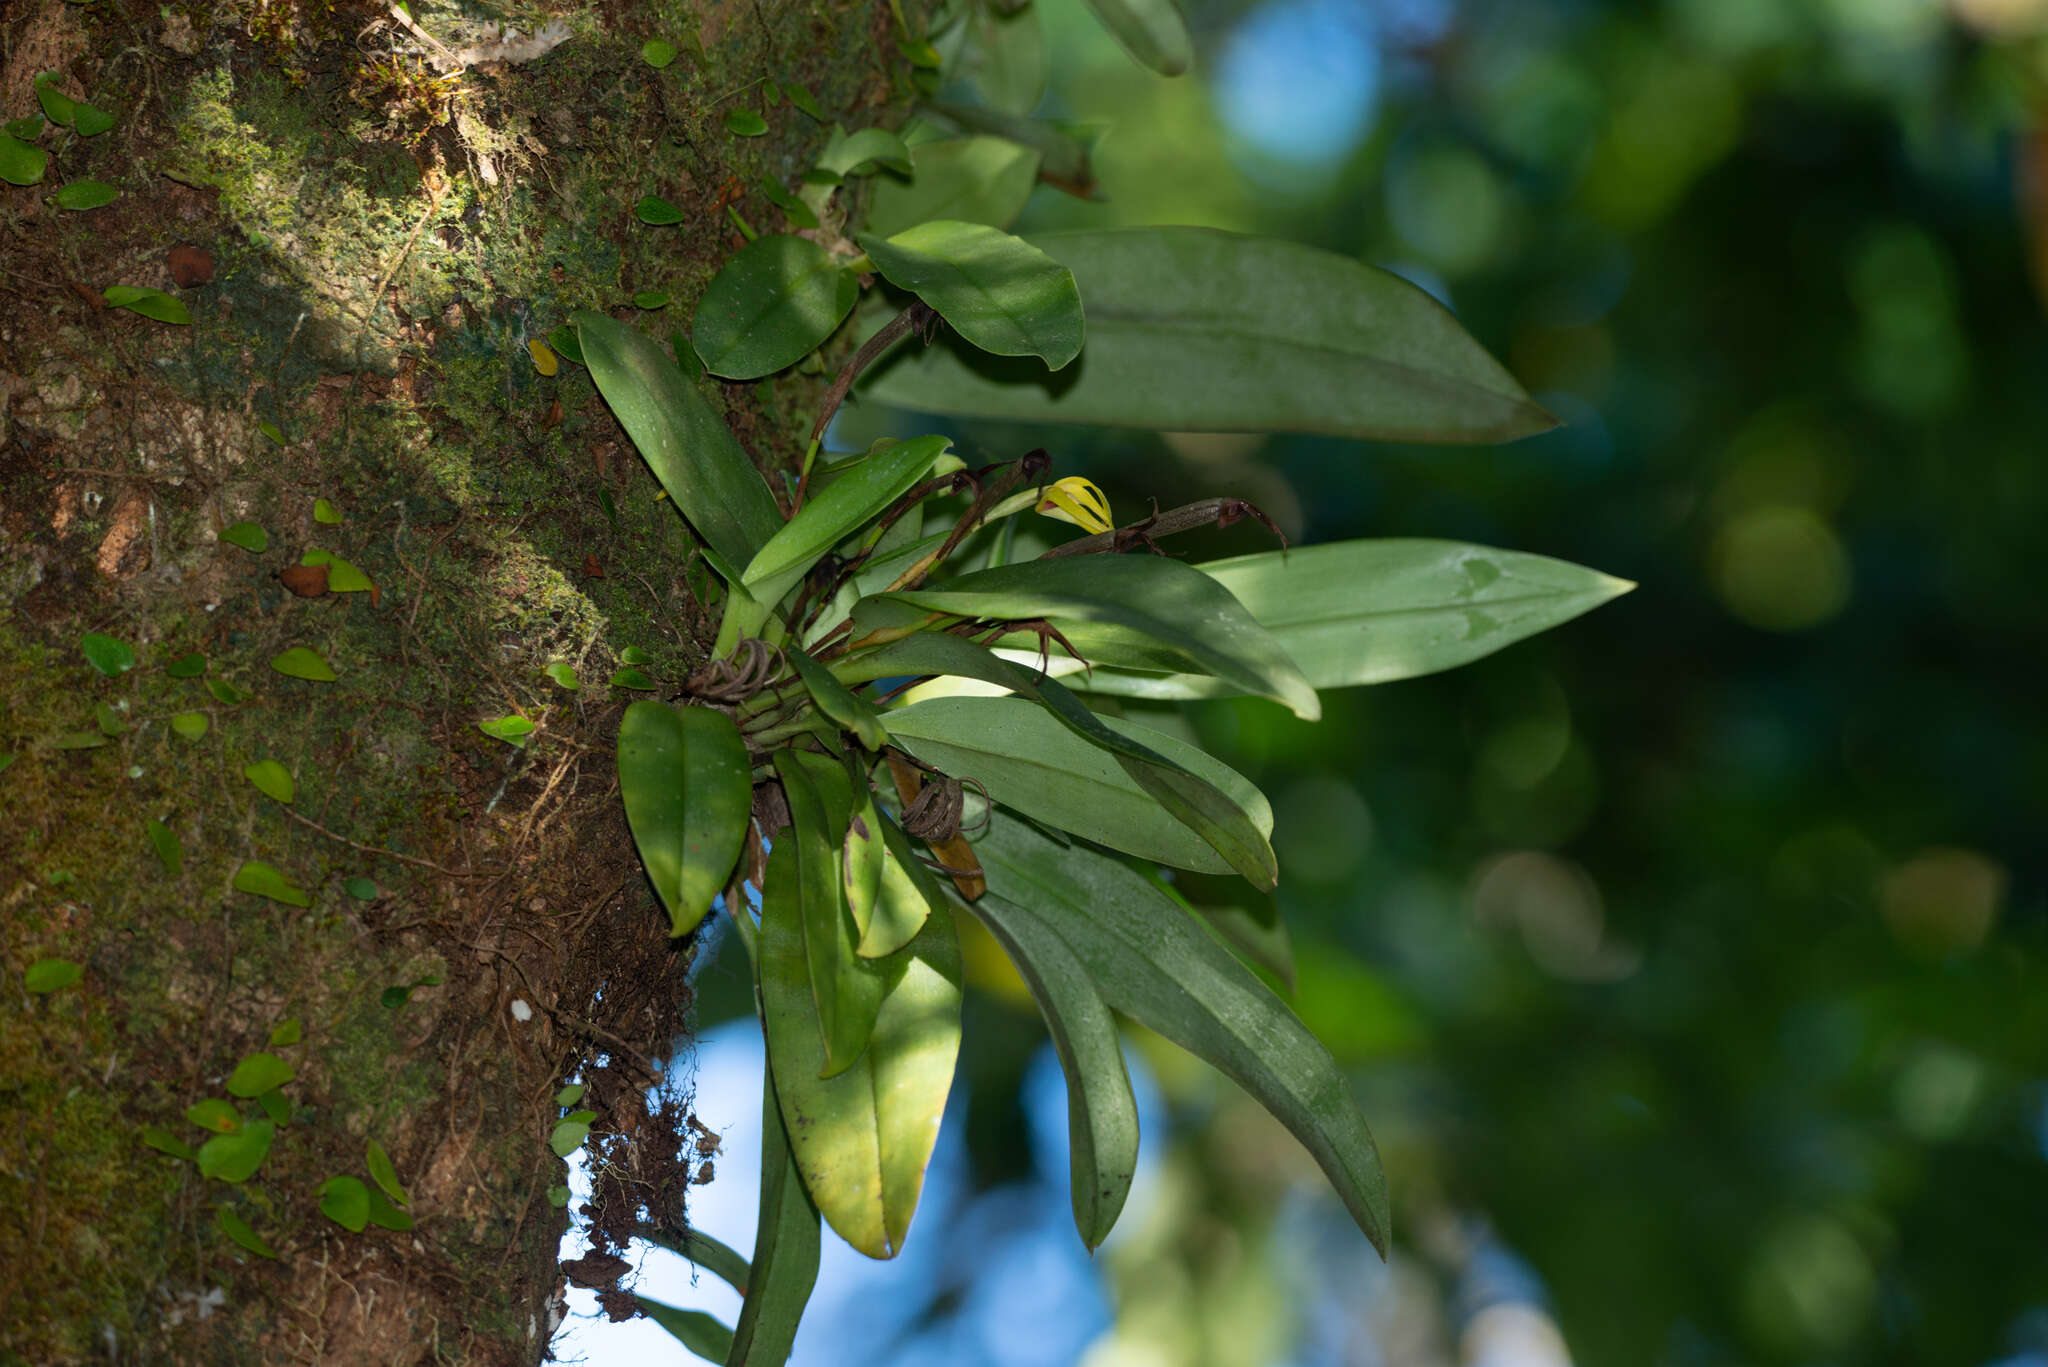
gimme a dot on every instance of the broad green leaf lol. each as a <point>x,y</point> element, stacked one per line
<point>657,52</point>
<point>21,163</point>
<point>86,194</point>
<point>1139,611</point>
<point>1151,961</point>
<point>1013,61</point>
<point>905,897</point>
<point>264,881</point>
<point>1195,330</point>
<point>1227,825</point>
<point>785,1262</point>
<point>999,292</point>
<point>866,487</point>
<point>863,1137</point>
<point>190,725</point>
<point>974,180</point>
<point>271,779</point>
<point>845,707</point>
<point>150,303</point>
<point>383,1173</point>
<point>684,774</point>
<point>237,1229</point>
<point>746,123</point>
<point>702,1334</point>
<point>657,211</point>
<point>841,992</point>
<point>719,1259</point>
<point>564,676</point>
<point>248,535</point>
<point>512,730</point>
<point>51,975</point>
<point>1065,147</point>
<point>109,656</point>
<point>1366,612</point>
<point>1152,31</point>
<point>346,1201</point>
<point>568,1136</point>
<point>257,1074</point>
<point>683,438</point>
<point>1033,762</point>
<point>302,663</point>
<point>214,1114</point>
<point>235,1157</point>
<point>857,154</point>
<point>769,306</point>
<point>169,851</point>
<point>1102,1115</point>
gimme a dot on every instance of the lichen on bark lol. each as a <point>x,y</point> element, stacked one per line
<point>384,239</point>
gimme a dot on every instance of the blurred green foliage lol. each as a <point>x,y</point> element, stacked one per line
<point>1697,946</point>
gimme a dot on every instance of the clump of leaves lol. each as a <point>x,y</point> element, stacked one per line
<point>896,726</point>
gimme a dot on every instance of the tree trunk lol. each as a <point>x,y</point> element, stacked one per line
<point>370,216</point>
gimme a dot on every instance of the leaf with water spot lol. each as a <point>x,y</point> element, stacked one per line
<point>1367,612</point>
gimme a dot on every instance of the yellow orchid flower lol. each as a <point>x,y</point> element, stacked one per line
<point>1078,501</point>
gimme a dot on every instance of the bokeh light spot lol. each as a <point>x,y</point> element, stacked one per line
<point>1298,81</point>
<point>1447,205</point>
<point>1780,568</point>
<point>1942,901</point>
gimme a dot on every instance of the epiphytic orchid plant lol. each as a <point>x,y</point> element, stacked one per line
<point>895,725</point>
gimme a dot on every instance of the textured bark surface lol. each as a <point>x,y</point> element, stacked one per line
<point>370,245</point>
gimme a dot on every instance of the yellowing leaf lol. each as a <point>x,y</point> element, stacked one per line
<point>544,360</point>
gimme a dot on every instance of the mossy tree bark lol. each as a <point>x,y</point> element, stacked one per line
<point>379,211</point>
